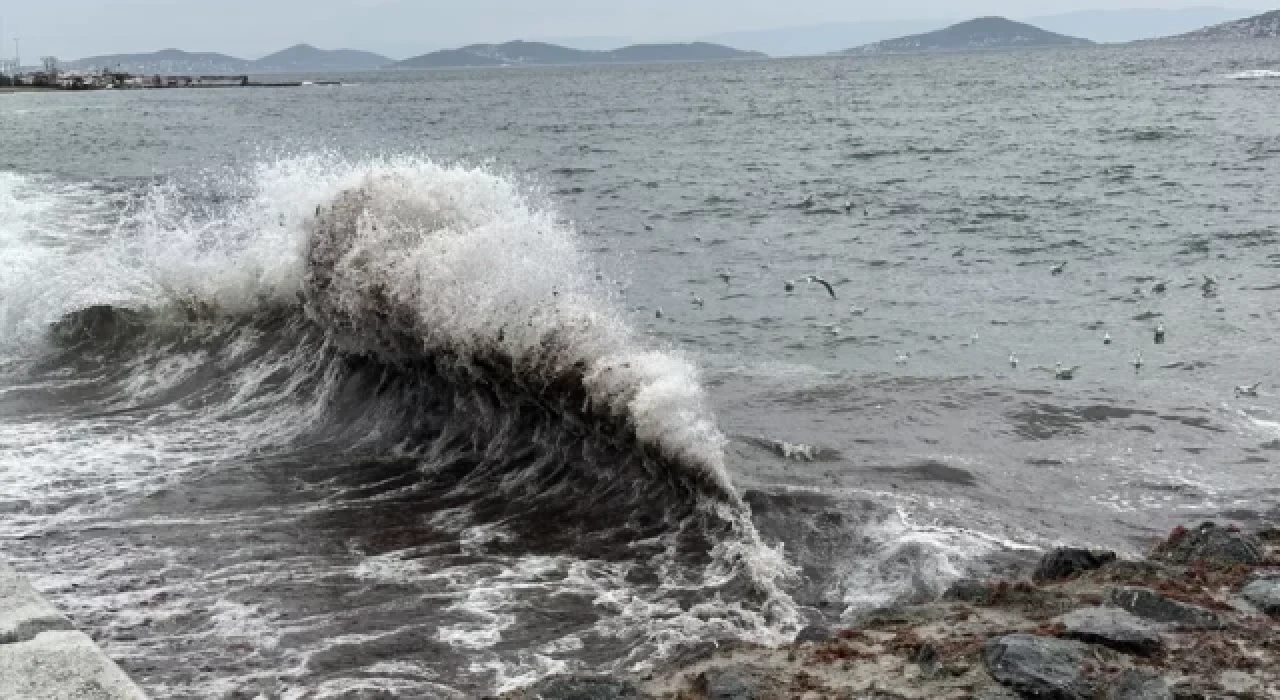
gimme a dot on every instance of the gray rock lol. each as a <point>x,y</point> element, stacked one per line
<point>1139,685</point>
<point>580,688</point>
<point>968,590</point>
<point>1148,604</point>
<point>1265,594</point>
<point>1112,627</point>
<point>1038,667</point>
<point>1212,544</point>
<point>62,665</point>
<point>814,633</point>
<point>1065,562</point>
<point>737,683</point>
<point>23,612</point>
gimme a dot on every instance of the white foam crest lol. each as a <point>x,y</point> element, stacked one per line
<point>1259,74</point>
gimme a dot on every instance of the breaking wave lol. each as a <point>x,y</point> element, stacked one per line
<point>398,308</point>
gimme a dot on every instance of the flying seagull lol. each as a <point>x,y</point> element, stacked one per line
<point>830,290</point>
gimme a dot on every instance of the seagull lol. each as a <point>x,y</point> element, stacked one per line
<point>789,285</point>
<point>697,239</point>
<point>1137,360</point>
<point>866,211</point>
<point>848,206</point>
<point>959,253</point>
<point>1159,288</point>
<point>1059,269</point>
<point>658,314</point>
<point>1106,339</point>
<point>1210,284</point>
<point>697,301</point>
<point>858,310</point>
<point>903,357</point>
<point>830,290</point>
<point>1060,372</point>
<point>725,275</point>
<point>1246,390</point>
<point>648,227</point>
<point>807,202</point>
<point>1160,334</point>
<point>1013,360</point>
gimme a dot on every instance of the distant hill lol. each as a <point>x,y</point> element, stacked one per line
<point>818,39</point>
<point>302,58</point>
<point>169,61</point>
<point>1125,25</point>
<point>305,58</point>
<point>1263,26</point>
<point>532,53</point>
<point>974,35</point>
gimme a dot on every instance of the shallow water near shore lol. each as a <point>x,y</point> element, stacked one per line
<point>485,457</point>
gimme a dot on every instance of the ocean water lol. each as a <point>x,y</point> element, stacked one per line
<point>435,383</point>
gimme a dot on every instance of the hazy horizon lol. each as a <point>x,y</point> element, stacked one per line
<point>402,28</point>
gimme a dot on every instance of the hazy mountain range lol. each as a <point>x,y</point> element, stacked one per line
<point>537,53</point>
<point>982,33</point>
<point>979,34</point>
<point>302,58</point>
<point>1102,26</point>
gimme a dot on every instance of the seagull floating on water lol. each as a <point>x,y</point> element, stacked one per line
<point>1013,360</point>
<point>902,358</point>
<point>725,275</point>
<point>789,285</point>
<point>1246,390</point>
<point>698,302</point>
<point>959,252</point>
<point>858,310</point>
<point>1160,334</point>
<point>1159,288</point>
<point>848,206</point>
<point>1059,269</point>
<point>1137,360</point>
<point>807,202</point>
<point>1060,372</point>
<point>1106,339</point>
<point>658,314</point>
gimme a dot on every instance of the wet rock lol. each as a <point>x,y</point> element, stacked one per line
<point>1264,594</point>
<point>578,688</point>
<point>1063,563</point>
<point>814,633</point>
<point>738,683</point>
<point>1139,685</point>
<point>1112,627</point>
<point>1038,667</point>
<point>1211,544</point>
<point>1148,604</point>
<point>967,590</point>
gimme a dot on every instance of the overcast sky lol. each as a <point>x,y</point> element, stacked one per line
<point>400,28</point>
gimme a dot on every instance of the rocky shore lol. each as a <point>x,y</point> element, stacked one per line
<point>1199,617</point>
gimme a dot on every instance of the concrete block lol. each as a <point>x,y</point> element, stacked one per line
<point>62,665</point>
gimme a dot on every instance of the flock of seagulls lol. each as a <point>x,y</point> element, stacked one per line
<point>1059,371</point>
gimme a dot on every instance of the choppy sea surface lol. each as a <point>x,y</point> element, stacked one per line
<point>435,383</point>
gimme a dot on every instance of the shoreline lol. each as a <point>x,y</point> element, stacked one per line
<point>1198,617</point>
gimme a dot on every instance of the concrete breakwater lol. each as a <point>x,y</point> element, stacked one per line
<point>43,658</point>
